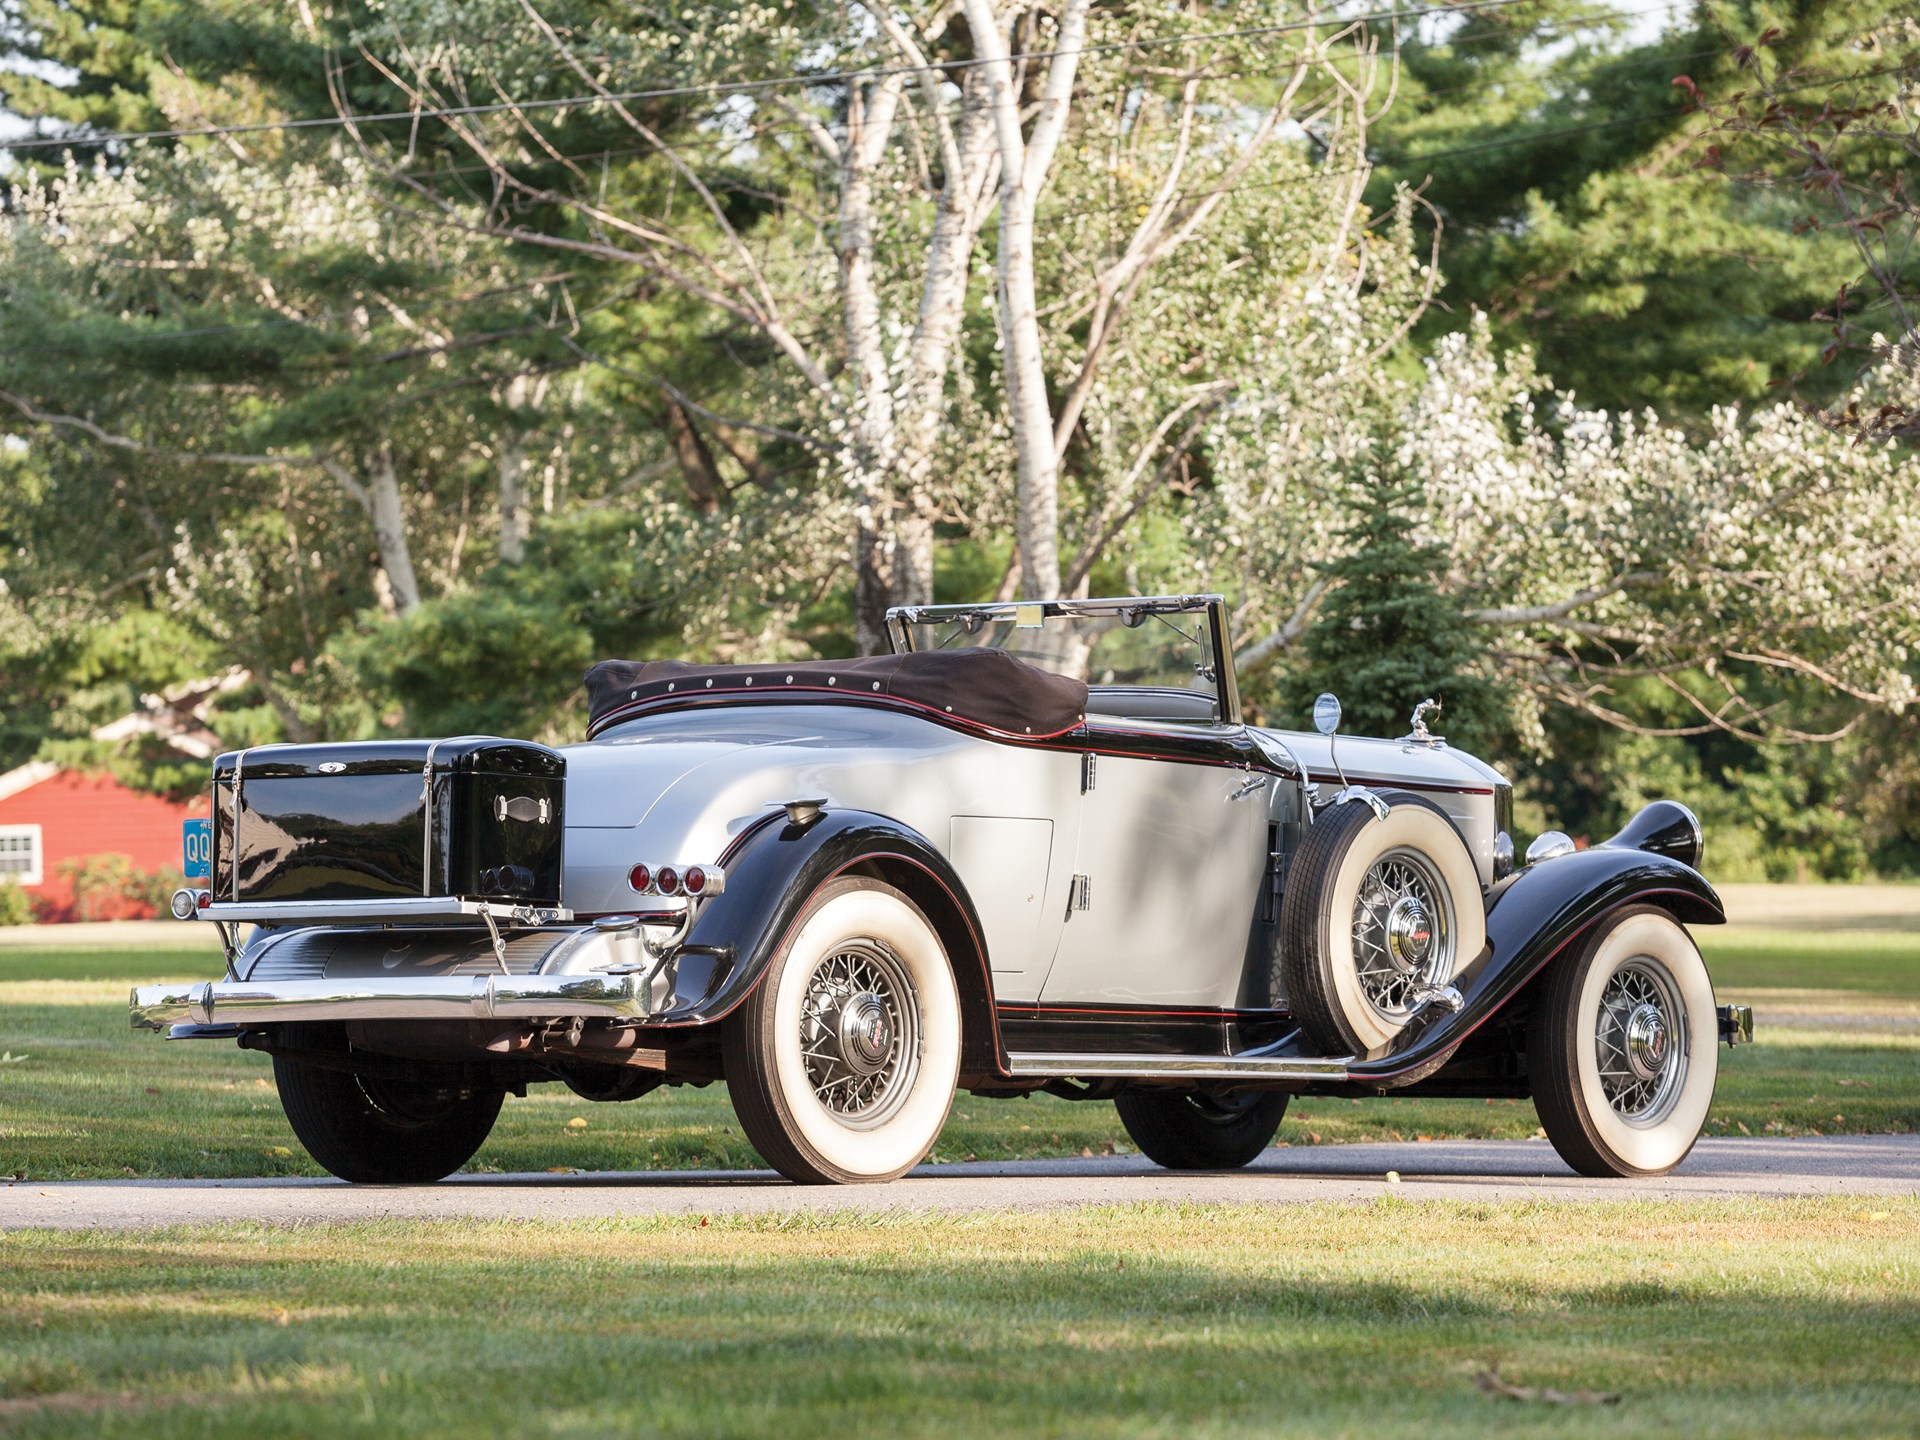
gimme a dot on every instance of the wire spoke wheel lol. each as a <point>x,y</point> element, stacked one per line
<point>842,1062</point>
<point>1623,1046</point>
<point>1379,914</point>
<point>860,1033</point>
<point>1640,1041</point>
<point>1403,932</point>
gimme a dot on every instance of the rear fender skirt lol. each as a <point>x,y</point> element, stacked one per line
<point>776,868</point>
<point>1531,918</point>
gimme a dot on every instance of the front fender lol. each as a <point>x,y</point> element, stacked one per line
<point>775,868</point>
<point>1532,917</point>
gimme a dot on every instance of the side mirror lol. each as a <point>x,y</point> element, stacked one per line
<point>1326,714</point>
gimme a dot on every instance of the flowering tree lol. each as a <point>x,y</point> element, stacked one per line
<point>1600,550</point>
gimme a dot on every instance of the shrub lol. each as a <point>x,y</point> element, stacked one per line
<point>112,887</point>
<point>16,906</point>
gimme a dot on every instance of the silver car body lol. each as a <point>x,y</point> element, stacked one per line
<point>1167,848</point>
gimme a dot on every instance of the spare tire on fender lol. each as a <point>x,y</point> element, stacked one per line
<point>1375,911</point>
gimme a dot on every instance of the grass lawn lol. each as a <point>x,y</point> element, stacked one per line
<point>93,1099</point>
<point>1777,1318</point>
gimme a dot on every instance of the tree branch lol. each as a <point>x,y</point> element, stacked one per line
<point>1264,651</point>
<point>1536,614</point>
<point>135,447</point>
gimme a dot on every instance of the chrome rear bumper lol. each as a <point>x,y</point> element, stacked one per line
<point>440,997</point>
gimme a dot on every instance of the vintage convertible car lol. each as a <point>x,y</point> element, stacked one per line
<point>1035,848</point>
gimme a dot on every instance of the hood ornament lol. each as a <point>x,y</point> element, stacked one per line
<point>1421,735</point>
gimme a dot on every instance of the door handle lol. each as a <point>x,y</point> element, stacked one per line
<point>1248,786</point>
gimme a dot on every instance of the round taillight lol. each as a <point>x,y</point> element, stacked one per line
<point>695,880</point>
<point>667,880</point>
<point>640,877</point>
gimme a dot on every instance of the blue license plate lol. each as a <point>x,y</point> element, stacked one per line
<point>196,837</point>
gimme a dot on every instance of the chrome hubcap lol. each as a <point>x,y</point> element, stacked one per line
<point>860,1034</point>
<point>1409,935</point>
<point>1646,1031</point>
<point>1639,1041</point>
<point>866,1034</point>
<point>1402,932</point>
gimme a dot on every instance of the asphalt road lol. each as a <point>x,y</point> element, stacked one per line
<point>1868,1165</point>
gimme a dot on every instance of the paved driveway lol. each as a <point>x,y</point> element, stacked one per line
<point>1870,1165</point>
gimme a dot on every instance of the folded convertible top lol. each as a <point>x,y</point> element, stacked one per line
<point>981,688</point>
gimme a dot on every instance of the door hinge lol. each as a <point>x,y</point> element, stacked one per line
<point>1079,894</point>
<point>1089,770</point>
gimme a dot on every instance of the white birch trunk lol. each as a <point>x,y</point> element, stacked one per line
<point>394,585</point>
<point>516,523</point>
<point>1024,164</point>
<point>960,209</point>
<point>869,124</point>
<point>512,465</point>
<point>390,532</point>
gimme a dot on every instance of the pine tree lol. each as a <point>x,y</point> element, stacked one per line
<point>1581,209</point>
<point>1386,637</point>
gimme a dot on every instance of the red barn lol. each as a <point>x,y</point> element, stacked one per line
<point>50,815</point>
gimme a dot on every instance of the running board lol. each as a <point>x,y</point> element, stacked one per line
<point>1076,1066</point>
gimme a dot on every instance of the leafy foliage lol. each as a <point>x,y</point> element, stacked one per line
<point>415,420</point>
<point>1581,207</point>
<point>16,906</point>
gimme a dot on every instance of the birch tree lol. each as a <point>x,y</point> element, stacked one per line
<point>919,122</point>
<point>894,141</point>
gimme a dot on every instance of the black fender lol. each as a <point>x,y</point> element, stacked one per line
<point>774,868</point>
<point>1535,914</point>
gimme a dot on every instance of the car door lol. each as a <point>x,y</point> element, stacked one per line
<point>1167,870</point>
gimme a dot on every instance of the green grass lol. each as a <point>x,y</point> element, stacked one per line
<point>1883,965</point>
<point>1796,1318</point>
<point>92,1099</point>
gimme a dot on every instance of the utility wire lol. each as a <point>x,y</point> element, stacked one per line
<point>729,143</point>
<point>1408,162</point>
<point>739,87</point>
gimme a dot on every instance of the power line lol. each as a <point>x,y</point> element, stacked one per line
<point>724,143</point>
<point>1316,176</point>
<point>739,87</point>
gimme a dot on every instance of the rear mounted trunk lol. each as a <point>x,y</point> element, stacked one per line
<point>473,818</point>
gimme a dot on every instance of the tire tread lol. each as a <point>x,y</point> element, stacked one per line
<point>1304,909</point>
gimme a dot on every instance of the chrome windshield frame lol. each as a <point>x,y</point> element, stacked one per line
<point>902,618</point>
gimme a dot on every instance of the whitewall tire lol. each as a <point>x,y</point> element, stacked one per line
<point>1624,1047</point>
<point>1376,913</point>
<point>841,1063</point>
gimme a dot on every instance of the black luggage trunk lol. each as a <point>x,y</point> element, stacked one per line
<point>472,818</point>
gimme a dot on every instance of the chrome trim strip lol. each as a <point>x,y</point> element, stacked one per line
<point>426,820</point>
<point>239,765</point>
<point>1226,681</point>
<point>410,908</point>
<point>1053,1065</point>
<point>461,997</point>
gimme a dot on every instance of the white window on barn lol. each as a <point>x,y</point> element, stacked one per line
<point>20,854</point>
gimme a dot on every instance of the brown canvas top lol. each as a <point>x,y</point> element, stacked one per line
<point>983,688</point>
